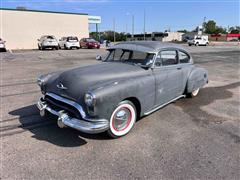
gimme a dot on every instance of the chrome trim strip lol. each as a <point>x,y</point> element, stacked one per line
<point>67,101</point>
<point>91,126</point>
<point>158,107</point>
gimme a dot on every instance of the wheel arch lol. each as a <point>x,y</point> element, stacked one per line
<point>136,103</point>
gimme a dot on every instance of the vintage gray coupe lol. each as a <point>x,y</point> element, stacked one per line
<point>133,80</point>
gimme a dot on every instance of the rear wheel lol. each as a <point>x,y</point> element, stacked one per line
<point>193,93</point>
<point>122,119</point>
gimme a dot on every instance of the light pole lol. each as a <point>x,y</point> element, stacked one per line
<point>144,25</point>
<point>132,27</point>
<point>114,35</point>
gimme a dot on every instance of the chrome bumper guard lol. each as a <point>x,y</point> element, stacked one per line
<point>91,126</point>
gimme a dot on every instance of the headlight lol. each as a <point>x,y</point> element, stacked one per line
<point>90,100</point>
<point>40,81</point>
<point>43,79</point>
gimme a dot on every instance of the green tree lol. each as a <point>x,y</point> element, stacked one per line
<point>220,30</point>
<point>210,27</point>
<point>109,35</point>
<point>234,30</point>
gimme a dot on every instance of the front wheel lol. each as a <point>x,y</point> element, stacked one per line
<point>193,93</point>
<point>122,119</point>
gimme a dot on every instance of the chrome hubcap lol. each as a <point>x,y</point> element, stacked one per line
<point>121,119</point>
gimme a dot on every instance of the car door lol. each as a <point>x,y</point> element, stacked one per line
<point>168,76</point>
<point>185,62</point>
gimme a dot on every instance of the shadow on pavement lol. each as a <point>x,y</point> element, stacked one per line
<point>192,106</point>
<point>46,129</point>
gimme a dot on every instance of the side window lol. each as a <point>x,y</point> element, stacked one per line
<point>125,55</point>
<point>183,57</point>
<point>168,57</point>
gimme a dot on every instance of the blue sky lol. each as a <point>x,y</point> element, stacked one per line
<point>160,14</point>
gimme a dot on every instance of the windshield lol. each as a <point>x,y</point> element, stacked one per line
<point>129,56</point>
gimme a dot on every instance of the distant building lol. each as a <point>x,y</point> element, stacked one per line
<point>21,28</point>
<point>173,36</point>
<point>224,37</point>
<point>157,36</point>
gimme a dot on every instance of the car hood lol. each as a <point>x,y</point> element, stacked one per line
<point>76,82</point>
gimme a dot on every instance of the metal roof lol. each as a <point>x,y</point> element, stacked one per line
<point>146,46</point>
<point>55,12</point>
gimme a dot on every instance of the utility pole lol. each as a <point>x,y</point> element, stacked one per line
<point>97,32</point>
<point>114,35</point>
<point>204,21</point>
<point>132,27</point>
<point>144,25</point>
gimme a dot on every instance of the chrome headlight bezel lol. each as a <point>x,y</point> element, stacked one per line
<point>42,79</point>
<point>90,99</point>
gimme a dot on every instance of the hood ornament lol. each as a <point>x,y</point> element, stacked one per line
<point>61,86</point>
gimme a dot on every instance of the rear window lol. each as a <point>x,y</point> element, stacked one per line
<point>49,37</point>
<point>72,39</point>
<point>90,40</point>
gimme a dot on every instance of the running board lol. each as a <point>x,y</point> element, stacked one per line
<point>157,108</point>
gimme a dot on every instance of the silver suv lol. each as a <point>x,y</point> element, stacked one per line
<point>48,41</point>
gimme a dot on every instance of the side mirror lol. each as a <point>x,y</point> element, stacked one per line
<point>98,57</point>
<point>38,39</point>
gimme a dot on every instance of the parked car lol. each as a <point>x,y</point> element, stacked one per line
<point>2,45</point>
<point>199,40</point>
<point>89,43</point>
<point>69,42</point>
<point>134,80</point>
<point>47,41</point>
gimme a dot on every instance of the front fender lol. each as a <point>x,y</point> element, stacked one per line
<point>197,79</point>
<point>141,88</point>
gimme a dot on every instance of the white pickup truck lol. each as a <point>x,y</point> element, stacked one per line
<point>199,40</point>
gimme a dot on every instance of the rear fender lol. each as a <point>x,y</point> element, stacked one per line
<point>197,79</point>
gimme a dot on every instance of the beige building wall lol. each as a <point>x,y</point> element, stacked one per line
<point>172,36</point>
<point>21,29</point>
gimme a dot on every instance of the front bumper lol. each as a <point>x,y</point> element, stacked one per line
<point>86,125</point>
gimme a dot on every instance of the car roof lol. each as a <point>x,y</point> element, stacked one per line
<point>146,46</point>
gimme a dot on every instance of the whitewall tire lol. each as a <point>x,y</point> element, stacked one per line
<point>122,119</point>
<point>194,93</point>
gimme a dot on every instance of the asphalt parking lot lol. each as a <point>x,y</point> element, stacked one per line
<point>190,139</point>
